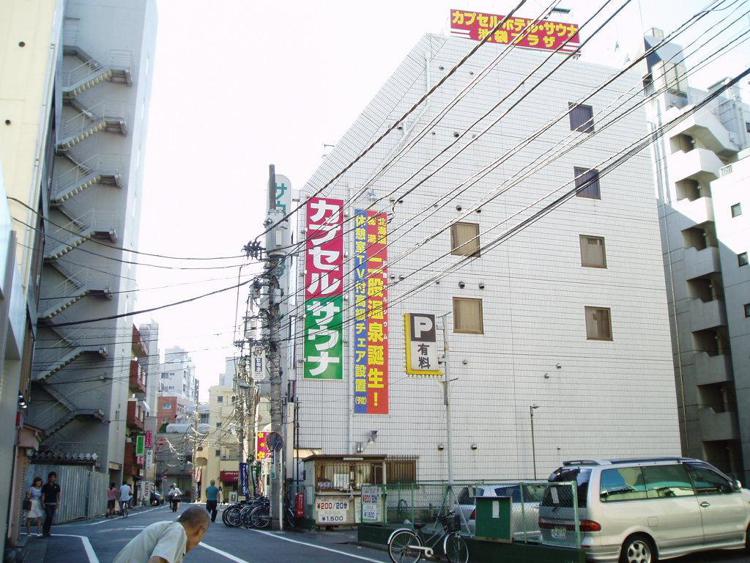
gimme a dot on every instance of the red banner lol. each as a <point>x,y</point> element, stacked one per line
<point>261,447</point>
<point>542,34</point>
<point>377,314</point>
<point>229,477</point>
<point>324,272</point>
<point>149,439</point>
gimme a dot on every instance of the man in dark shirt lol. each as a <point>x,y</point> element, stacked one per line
<point>51,501</point>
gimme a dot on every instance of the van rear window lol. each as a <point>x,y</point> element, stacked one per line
<point>562,494</point>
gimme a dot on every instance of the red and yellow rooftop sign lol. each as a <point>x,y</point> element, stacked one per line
<point>542,34</point>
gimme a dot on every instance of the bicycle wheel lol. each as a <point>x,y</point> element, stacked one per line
<point>225,514</point>
<point>455,548</point>
<point>291,518</point>
<point>260,517</point>
<point>245,516</point>
<point>401,547</point>
<point>233,518</point>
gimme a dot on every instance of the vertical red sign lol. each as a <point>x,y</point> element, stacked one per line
<point>377,313</point>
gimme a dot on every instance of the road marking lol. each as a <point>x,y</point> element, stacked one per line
<point>118,517</point>
<point>316,546</point>
<point>223,553</point>
<point>90,553</point>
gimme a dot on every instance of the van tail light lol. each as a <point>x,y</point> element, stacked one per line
<point>590,526</point>
<point>473,515</point>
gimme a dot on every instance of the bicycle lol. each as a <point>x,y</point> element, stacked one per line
<point>406,545</point>
<point>124,505</point>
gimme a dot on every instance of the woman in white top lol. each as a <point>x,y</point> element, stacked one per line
<point>35,512</point>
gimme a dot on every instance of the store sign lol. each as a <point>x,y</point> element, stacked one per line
<point>244,478</point>
<point>229,477</point>
<point>261,446</point>
<point>258,361</point>
<point>332,510</point>
<point>149,439</point>
<point>420,333</point>
<point>140,445</point>
<point>542,34</point>
<point>370,312</point>
<point>372,504</point>
<point>324,289</point>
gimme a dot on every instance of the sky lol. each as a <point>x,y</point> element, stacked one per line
<point>239,85</point>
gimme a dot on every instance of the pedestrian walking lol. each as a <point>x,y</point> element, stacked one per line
<point>112,494</point>
<point>174,496</point>
<point>212,499</point>
<point>125,497</point>
<point>51,498</point>
<point>33,506</point>
<point>167,542</point>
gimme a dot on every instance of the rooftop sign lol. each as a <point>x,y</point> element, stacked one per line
<point>541,34</point>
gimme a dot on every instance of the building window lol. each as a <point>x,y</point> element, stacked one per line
<point>593,253</point>
<point>465,239</point>
<point>167,406</point>
<point>587,182</point>
<point>598,323</point>
<point>581,117</point>
<point>217,453</point>
<point>467,315</point>
<point>218,425</point>
<point>747,310</point>
<point>736,210</point>
<point>220,399</point>
<point>742,259</point>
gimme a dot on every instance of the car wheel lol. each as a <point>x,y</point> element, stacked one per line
<point>638,549</point>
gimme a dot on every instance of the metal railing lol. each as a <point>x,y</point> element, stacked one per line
<point>105,164</point>
<point>88,117</point>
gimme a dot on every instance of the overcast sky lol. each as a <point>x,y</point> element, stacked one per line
<point>239,85</point>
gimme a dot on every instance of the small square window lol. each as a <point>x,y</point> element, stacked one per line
<point>218,425</point>
<point>593,252</point>
<point>217,453</point>
<point>736,210</point>
<point>581,117</point>
<point>598,323</point>
<point>220,399</point>
<point>467,315</point>
<point>742,259</point>
<point>587,182</point>
<point>747,310</point>
<point>465,239</point>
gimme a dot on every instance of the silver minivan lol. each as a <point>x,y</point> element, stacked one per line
<point>643,510</point>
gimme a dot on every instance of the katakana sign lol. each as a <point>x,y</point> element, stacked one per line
<point>261,446</point>
<point>324,287</point>
<point>542,34</point>
<point>370,312</point>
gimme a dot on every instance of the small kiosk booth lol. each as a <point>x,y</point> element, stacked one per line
<point>333,486</point>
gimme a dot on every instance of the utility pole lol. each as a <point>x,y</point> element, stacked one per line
<point>446,401</point>
<point>273,353</point>
<point>532,408</point>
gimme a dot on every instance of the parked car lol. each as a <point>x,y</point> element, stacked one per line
<point>524,515</point>
<point>643,510</point>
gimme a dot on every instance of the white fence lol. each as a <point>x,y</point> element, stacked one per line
<point>84,492</point>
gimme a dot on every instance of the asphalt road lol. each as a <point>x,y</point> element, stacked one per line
<point>104,538</point>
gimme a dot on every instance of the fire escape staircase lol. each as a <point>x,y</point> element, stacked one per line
<point>91,72</point>
<point>88,122</point>
<point>64,420</point>
<point>82,176</point>
<point>73,235</point>
<point>72,354</point>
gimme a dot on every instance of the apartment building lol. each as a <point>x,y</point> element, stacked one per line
<point>101,93</point>
<point>563,325</point>
<point>150,336</point>
<point>700,171</point>
<point>178,375</point>
<point>218,450</point>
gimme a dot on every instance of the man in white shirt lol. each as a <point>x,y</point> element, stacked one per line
<point>167,542</point>
<point>125,496</point>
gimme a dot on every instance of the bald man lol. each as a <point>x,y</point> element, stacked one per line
<point>167,542</point>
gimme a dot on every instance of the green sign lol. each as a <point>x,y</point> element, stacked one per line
<point>140,445</point>
<point>324,347</point>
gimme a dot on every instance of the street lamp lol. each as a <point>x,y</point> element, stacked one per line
<point>532,408</point>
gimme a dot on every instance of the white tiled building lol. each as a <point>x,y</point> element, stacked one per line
<point>178,376</point>
<point>701,187</point>
<point>602,389</point>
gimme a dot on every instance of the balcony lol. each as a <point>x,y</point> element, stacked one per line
<point>136,415</point>
<point>140,348</point>
<point>717,426</point>
<point>699,210</point>
<point>699,263</point>
<point>698,164</point>
<point>705,127</point>
<point>712,369</point>
<point>137,377</point>
<point>131,466</point>
<point>706,314</point>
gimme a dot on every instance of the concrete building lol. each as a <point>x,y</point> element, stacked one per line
<point>134,462</point>
<point>217,450</point>
<point>150,336</point>
<point>226,379</point>
<point>178,376</point>
<point>28,59</point>
<point>102,89</point>
<point>704,235</point>
<point>550,323</point>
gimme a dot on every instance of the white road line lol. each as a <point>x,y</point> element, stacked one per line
<point>90,553</point>
<point>223,553</point>
<point>118,517</point>
<point>278,537</point>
